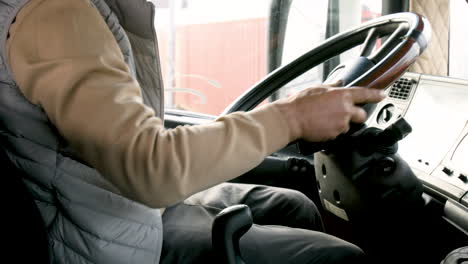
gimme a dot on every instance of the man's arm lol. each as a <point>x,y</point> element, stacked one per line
<point>65,59</point>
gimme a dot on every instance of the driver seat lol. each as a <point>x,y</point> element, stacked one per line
<point>26,235</point>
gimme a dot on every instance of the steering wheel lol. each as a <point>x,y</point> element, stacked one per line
<point>407,35</point>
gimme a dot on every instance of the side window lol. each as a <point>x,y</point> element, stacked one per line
<point>211,51</point>
<point>458,37</point>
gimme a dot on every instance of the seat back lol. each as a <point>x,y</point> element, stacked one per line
<point>24,236</point>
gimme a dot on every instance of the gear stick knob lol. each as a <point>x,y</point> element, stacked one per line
<point>228,227</point>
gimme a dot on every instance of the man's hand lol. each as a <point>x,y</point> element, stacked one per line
<point>322,113</point>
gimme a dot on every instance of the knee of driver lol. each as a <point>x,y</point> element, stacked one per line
<point>301,203</point>
<point>347,253</point>
<point>304,210</point>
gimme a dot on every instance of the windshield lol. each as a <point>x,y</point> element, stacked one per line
<point>212,51</point>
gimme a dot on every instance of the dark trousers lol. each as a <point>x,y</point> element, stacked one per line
<point>287,228</point>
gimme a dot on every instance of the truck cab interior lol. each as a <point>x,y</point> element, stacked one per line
<point>397,186</point>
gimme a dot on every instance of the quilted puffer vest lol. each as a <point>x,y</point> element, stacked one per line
<point>87,219</point>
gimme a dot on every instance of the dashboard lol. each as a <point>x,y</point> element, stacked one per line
<point>437,148</point>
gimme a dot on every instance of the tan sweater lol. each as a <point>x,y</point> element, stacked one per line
<point>65,59</point>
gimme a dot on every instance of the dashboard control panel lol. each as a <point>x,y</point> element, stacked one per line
<point>437,109</point>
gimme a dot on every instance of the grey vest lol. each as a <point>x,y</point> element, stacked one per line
<point>87,219</point>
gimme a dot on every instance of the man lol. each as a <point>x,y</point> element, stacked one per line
<point>102,167</point>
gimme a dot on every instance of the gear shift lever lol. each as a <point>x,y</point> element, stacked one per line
<point>228,227</point>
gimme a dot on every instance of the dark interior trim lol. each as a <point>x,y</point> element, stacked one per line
<point>277,22</point>
<point>279,12</point>
<point>394,6</point>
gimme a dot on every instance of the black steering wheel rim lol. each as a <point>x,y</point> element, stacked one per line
<point>410,33</point>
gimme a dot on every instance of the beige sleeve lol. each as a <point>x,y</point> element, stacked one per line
<point>65,59</point>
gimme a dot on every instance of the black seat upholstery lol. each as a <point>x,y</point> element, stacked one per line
<point>24,237</point>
